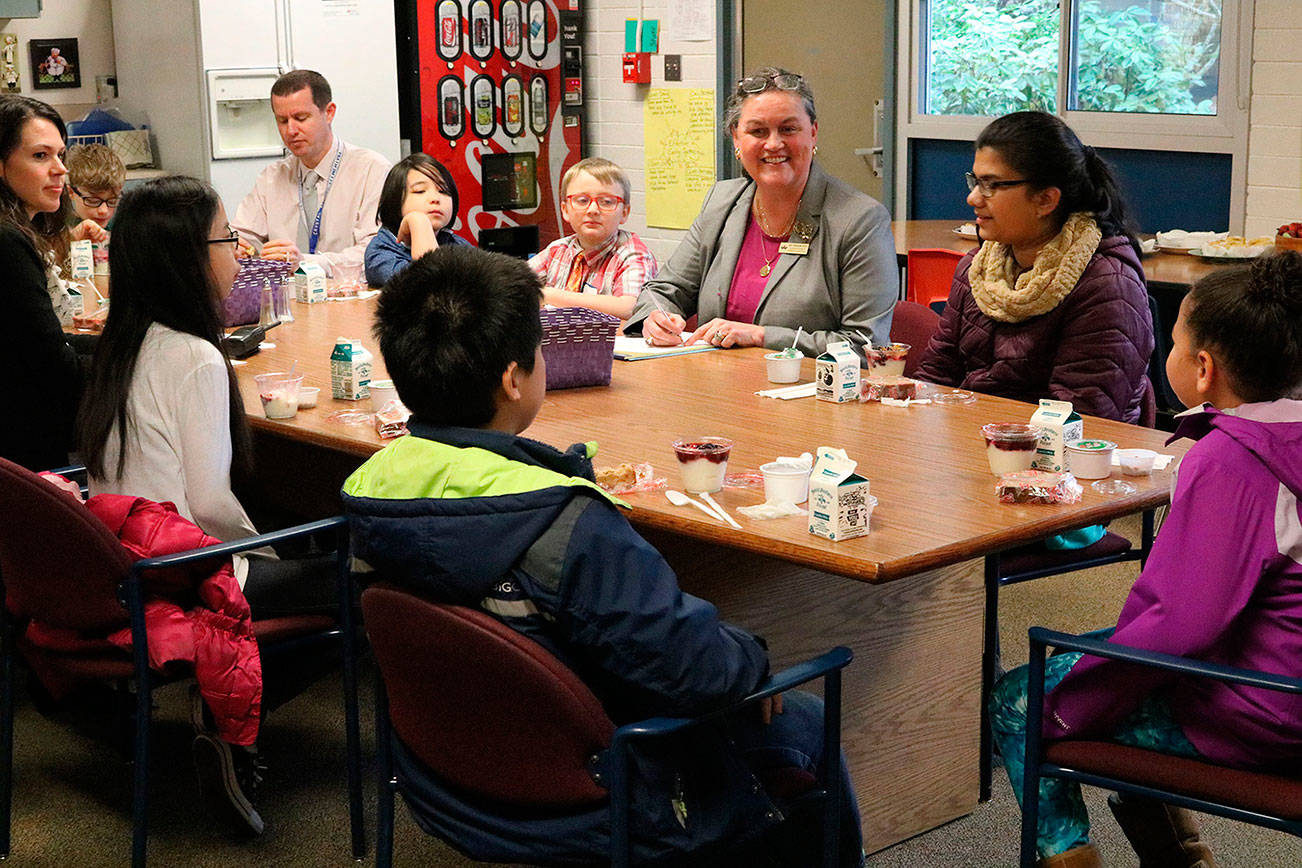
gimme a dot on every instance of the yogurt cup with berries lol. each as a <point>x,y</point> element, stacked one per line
<point>1010,446</point>
<point>703,462</point>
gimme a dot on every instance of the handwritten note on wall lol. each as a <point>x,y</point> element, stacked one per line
<point>679,129</point>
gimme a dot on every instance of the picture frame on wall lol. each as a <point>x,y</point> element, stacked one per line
<point>55,63</point>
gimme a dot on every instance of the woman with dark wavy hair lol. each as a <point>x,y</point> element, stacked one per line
<point>1053,304</point>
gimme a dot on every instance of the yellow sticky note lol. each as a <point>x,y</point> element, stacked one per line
<point>678,136</point>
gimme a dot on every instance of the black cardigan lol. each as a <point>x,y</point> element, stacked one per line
<point>43,381</point>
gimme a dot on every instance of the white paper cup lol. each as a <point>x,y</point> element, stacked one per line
<point>785,483</point>
<point>307,397</point>
<point>1090,459</point>
<point>382,392</point>
<point>782,369</point>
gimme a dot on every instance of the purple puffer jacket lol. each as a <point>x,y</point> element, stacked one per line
<point>1092,349</point>
<point>1223,584</point>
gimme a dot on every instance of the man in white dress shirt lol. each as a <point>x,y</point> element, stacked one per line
<point>317,203</point>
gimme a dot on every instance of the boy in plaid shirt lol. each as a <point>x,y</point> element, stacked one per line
<point>600,266</point>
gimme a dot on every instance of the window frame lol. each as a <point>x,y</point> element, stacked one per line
<point>1226,132</point>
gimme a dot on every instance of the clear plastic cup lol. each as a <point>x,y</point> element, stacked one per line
<point>888,361</point>
<point>1010,446</point>
<point>703,461</point>
<point>785,483</point>
<point>279,394</point>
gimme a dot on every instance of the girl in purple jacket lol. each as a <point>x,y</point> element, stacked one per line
<point>1224,582</point>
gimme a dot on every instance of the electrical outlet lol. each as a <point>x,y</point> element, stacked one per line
<point>673,67</point>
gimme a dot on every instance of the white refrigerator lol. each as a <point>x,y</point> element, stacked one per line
<point>200,73</point>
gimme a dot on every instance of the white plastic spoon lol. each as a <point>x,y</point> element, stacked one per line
<point>796,339</point>
<point>677,498</point>
<point>705,495</point>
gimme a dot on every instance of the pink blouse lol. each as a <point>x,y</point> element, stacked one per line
<point>757,249</point>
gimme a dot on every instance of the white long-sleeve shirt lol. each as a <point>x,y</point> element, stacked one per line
<point>271,209</point>
<point>178,446</point>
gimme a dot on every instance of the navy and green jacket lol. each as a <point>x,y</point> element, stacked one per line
<point>519,530</point>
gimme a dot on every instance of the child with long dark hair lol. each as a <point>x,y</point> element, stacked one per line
<point>1224,581</point>
<point>163,419</point>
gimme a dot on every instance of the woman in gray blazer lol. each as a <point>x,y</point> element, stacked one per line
<point>788,246</point>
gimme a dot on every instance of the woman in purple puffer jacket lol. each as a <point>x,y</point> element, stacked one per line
<point>1053,304</point>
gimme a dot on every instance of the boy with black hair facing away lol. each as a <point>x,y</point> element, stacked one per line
<point>466,511</point>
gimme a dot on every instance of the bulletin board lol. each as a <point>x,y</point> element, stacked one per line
<point>679,132</point>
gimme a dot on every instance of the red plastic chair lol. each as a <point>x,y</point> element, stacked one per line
<point>913,324</point>
<point>483,713</point>
<point>59,564</point>
<point>930,273</point>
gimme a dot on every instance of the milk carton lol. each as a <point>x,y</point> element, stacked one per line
<point>82,256</point>
<point>836,373</point>
<point>350,370</point>
<point>838,497</point>
<point>309,283</point>
<point>1058,425</point>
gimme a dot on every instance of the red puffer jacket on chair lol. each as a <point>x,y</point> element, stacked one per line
<point>193,615</point>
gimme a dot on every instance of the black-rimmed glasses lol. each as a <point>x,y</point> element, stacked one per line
<point>95,201</point>
<point>988,187</point>
<point>760,83</point>
<point>233,238</point>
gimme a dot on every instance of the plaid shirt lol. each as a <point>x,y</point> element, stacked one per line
<point>619,267</point>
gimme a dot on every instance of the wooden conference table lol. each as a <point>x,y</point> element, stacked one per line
<point>1163,270</point>
<point>908,597</point>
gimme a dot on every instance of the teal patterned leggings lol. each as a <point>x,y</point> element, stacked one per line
<point>1063,821</point>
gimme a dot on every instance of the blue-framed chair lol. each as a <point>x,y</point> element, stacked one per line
<point>451,679</point>
<point>1262,798</point>
<point>59,564</point>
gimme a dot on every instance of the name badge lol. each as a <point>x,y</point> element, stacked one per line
<point>795,248</point>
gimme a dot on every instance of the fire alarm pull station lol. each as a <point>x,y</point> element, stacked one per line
<point>637,67</point>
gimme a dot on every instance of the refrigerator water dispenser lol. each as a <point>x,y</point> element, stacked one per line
<point>239,111</point>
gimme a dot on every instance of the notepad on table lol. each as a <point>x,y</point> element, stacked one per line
<point>631,348</point>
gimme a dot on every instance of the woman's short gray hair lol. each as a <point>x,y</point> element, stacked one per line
<point>764,79</point>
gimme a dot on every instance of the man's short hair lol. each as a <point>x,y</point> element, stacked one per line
<point>450,324</point>
<point>603,170</point>
<point>297,79</point>
<point>95,169</point>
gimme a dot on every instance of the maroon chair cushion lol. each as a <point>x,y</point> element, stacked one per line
<point>1036,556</point>
<point>271,630</point>
<point>913,324</point>
<point>60,564</point>
<point>1273,794</point>
<point>486,709</point>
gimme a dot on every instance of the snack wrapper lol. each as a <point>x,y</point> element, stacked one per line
<point>895,388</point>
<point>1037,486</point>
<point>391,420</point>
<point>629,478</point>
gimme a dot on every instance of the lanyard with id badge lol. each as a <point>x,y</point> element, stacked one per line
<point>314,226</point>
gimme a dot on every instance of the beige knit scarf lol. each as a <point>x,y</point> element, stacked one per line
<point>1005,295</point>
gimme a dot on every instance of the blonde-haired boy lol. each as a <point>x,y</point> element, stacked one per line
<point>95,178</point>
<point>600,266</point>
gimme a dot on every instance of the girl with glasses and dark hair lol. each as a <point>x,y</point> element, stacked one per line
<point>418,205</point>
<point>163,419</point>
<point>34,208</point>
<point>1053,304</point>
<point>787,247</point>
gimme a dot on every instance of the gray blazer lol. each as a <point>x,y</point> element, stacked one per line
<point>844,288</point>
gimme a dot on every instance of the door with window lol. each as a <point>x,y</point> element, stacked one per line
<point>845,52</point>
<point>1159,86</point>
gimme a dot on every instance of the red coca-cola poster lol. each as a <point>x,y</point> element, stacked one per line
<point>492,90</point>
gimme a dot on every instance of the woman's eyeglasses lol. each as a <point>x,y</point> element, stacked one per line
<point>95,201</point>
<point>233,238</point>
<point>761,83</point>
<point>605,204</point>
<point>988,187</point>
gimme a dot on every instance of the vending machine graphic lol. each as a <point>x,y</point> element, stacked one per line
<point>501,105</point>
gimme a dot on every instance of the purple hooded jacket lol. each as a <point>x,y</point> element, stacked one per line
<point>1223,584</point>
<point>1092,349</point>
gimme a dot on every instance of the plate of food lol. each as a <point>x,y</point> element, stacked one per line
<point>966,230</point>
<point>1185,242</point>
<point>1234,248</point>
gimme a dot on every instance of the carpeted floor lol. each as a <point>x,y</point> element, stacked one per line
<point>72,789</point>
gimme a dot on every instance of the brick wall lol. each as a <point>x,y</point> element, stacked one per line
<point>1275,139</point>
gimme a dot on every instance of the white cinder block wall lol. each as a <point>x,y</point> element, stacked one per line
<point>614,120</point>
<point>1275,139</point>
